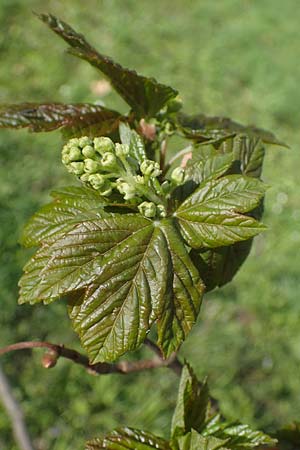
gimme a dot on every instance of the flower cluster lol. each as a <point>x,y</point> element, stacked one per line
<point>110,168</point>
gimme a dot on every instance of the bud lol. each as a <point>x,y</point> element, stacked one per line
<point>108,160</point>
<point>96,180</point>
<point>76,167</point>
<point>74,142</point>
<point>122,150</point>
<point>85,177</point>
<point>161,211</point>
<point>150,168</point>
<point>50,359</point>
<point>66,149</point>
<point>91,166</point>
<point>75,154</point>
<point>177,176</point>
<point>88,151</point>
<point>103,144</point>
<point>125,189</point>
<point>147,209</point>
<point>83,141</point>
<point>139,179</point>
<point>65,159</point>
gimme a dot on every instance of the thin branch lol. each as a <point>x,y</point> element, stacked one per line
<point>123,367</point>
<point>55,351</point>
<point>15,414</point>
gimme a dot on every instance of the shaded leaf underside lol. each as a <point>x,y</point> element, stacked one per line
<point>145,95</point>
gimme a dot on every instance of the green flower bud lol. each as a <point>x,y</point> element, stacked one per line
<point>161,211</point>
<point>83,141</point>
<point>88,151</point>
<point>85,177</point>
<point>96,180</point>
<point>103,144</point>
<point>74,142</point>
<point>147,209</point>
<point>150,168</point>
<point>65,150</point>
<point>139,179</point>
<point>65,159</point>
<point>76,167</point>
<point>125,189</point>
<point>108,160</point>
<point>75,154</point>
<point>177,176</point>
<point>122,150</point>
<point>91,166</point>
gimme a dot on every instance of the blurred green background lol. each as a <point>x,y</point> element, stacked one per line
<point>238,58</point>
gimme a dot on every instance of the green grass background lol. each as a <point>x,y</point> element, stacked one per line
<point>238,58</point>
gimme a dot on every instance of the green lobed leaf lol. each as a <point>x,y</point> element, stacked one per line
<point>210,216</point>
<point>145,95</point>
<point>207,164</point>
<point>149,277</point>
<point>128,438</point>
<point>219,266</point>
<point>75,258</point>
<point>192,404</point>
<point>77,118</point>
<point>70,205</point>
<point>194,441</point>
<point>114,314</point>
<point>183,296</point>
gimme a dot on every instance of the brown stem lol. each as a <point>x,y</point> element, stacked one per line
<point>122,367</point>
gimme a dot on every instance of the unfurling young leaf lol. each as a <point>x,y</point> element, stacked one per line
<point>145,95</point>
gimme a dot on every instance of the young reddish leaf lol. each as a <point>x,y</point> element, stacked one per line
<point>145,95</point>
<point>79,119</point>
